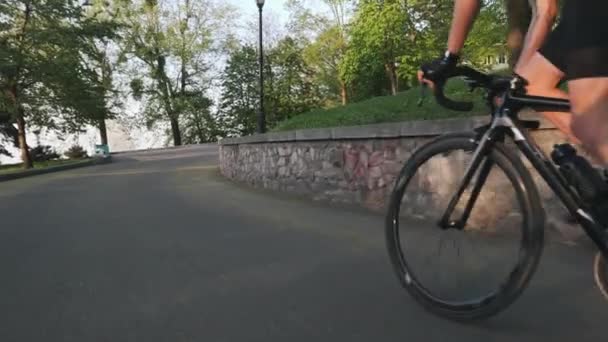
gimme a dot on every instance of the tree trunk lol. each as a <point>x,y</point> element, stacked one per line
<point>13,94</point>
<point>177,135</point>
<point>391,72</point>
<point>103,132</point>
<point>343,93</point>
<point>25,152</point>
<point>519,15</point>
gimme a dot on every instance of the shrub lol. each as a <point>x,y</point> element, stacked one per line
<point>76,152</point>
<point>42,153</point>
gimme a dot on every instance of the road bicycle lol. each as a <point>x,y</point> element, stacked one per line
<point>476,188</point>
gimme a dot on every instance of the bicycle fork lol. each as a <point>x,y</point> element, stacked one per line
<point>480,158</point>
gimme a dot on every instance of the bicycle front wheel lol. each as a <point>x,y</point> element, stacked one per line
<point>479,268</point>
<point>600,272</point>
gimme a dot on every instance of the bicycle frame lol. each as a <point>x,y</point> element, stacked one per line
<point>505,122</point>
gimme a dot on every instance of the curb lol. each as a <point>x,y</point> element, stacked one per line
<point>53,169</point>
<point>161,149</point>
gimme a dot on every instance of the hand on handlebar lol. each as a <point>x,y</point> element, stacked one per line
<point>437,70</point>
<point>436,73</point>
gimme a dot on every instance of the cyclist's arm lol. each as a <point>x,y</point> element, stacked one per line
<point>465,12</point>
<point>544,13</point>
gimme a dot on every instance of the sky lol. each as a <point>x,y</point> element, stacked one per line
<point>249,7</point>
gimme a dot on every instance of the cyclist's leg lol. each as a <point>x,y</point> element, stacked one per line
<point>589,97</point>
<point>580,48</point>
<point>543,78</point>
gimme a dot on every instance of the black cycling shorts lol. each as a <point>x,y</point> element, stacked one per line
<point>579,44</point>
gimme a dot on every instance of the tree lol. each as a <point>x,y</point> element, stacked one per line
<point>103,60</point>
<point>324,57</point>
<point>239,88</point>
<point>290,88</point>
<point>519,14</point>
<point>171,40</point>
<point>325,41</point>
<point>488,36</point>
<point>377,36</point>
<point>199,124</point>
<point>41,65</point>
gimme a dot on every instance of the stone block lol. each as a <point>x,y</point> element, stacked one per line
<point>328,173</point>
<point>376,158</point>
<point>284,151</point>
<point>313,134</point>
<point>371,183</point>
<point>283,171</point>
<point>343,184</point>
<point>389,153</point>
<point>366,132</point>
<point>312,152</point>
<point>335,156</point>
<point>375,172</point>
<point>363,158</point>
<point>390,167</point>
<point>351,159</point>
<point>280,136</point>
<point>293,159</point>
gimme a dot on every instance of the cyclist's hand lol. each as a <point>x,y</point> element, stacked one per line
<point>437,70</point>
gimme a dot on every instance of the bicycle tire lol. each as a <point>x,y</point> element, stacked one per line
<point>600,273</point>
<point>531,244</point>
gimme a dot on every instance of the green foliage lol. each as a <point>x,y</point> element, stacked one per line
<point>323,57</point>
<point>403,107</point>
<point>199,124</point>
<point>240,96</point>
<point>290,88</point>
<point>9,133</point>
<point>171,41</point>
<point>43,153</point>
<point>11,168</point>
<point>43,64</point>
<point>376,40</point>
<point>488,36</point>
<point>76,152</point>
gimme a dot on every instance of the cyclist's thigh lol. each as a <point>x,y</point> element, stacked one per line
<point>543,78</point>
<point>540,73</point>
<point>589,96</point>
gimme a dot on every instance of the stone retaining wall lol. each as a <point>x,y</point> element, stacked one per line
<point>350,165</point>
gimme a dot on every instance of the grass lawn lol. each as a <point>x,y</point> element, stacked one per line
<point>9,168</point>
<point>402,107</point>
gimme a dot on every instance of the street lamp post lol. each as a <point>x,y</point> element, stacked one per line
<point>261,115</point>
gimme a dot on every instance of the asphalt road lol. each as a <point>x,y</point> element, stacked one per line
<point>158,247</point>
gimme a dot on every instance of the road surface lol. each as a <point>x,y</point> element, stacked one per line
<point>158,247</point>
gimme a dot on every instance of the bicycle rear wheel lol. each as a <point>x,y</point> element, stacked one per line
<point>503,236</point>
